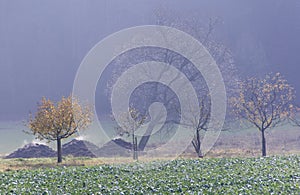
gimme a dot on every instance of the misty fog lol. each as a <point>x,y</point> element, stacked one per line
<point>43,43</point>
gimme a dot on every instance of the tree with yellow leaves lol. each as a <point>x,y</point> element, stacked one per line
<point>264,103</point>
<point>54,122</point>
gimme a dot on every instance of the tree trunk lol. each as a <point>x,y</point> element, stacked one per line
<point>59,153</point>
<point>132,148</point>
<point>200,155</point>
<point>197,144</point>
<point>197,148</point>
<point>263,142</point>
<point>136,150</point>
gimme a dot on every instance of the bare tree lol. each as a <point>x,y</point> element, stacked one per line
<point>265,103</point>
<point>203,32</point>
<point>131,121</point>
<point>198,120</point>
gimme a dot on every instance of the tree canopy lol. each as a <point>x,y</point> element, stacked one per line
<point>53,122</point>
<point>264,102</point>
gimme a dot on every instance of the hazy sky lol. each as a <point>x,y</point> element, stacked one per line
<point>43,42</point>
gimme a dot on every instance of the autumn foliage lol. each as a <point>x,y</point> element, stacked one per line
<point>54,122</point>
<point>264,103</point>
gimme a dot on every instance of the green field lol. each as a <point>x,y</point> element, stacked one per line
<point>271,175</point>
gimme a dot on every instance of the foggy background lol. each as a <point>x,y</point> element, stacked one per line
<point>42,43</point>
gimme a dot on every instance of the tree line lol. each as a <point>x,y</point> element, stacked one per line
<point>263,102</point>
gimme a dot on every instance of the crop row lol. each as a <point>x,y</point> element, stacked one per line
<point>271,175</point>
